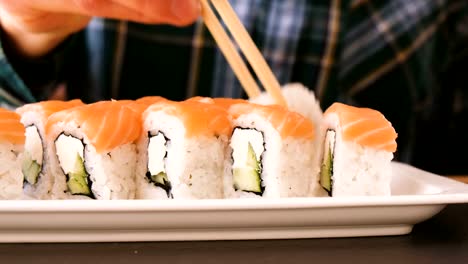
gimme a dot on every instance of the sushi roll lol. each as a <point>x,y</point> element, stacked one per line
<point>299,99</point>
<point>272,154</point>
<point>96,151</point>
<point>38,176</point>
<point>358,148</point>
<point>11,146</point>
<point>182,150</point>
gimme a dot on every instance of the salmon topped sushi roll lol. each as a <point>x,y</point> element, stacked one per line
<point>182,150</point>
<point>220,101</point>
<point>38,176</point>
<point>300,99</point>
<point>11,146</point>
<point>358,148</point>
<point>95,146</point>
<point>273,153</point>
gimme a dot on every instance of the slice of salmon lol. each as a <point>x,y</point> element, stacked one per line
<point>141,104</point>
<point>220,101</point>
<point>228,102</point>
<point>47,108</point>
<point>11,129</point>
<point>107,124</point>
<point>287,123</point>
<point>365,126</point>
<point>149,100</point>
<point>199,118</point>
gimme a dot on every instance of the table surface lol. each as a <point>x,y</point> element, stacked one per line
<point>441,239</point>
<point>460,178</point>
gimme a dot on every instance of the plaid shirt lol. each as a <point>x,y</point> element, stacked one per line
<point>404,58</point>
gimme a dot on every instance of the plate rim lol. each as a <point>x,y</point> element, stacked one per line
<point>453,192</point>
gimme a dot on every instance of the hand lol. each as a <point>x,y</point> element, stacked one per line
<point>37,26</point>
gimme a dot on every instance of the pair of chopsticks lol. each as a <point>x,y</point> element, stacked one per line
<point>246,44</point>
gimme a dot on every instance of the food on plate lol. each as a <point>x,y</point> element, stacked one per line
<point>149,100</point>
<point>300,99</point>
<point>38,157</point>
<point>96,151</point>
<point>200,148</point>
<point>181,150</point>
<point>220,101</point>
<point>273,153</point>
<point>358,148</point>
<point>140,105</point>
<point>11,146</point>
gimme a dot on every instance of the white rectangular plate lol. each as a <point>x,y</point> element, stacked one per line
<point>416,196</point>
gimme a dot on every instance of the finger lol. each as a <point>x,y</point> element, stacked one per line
<point>176,12</point>
<point>96,8</point>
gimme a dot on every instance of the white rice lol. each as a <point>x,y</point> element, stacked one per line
<point>194,165</point>
<point>361,171</point>
<point>11,177</point>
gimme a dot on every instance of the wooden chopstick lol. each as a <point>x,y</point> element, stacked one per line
<point>246,44</point>
<point>229,51</point>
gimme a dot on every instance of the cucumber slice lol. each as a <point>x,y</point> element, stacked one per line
<point>160,178</point>
<point>252,161</point>
<point>30,169</point>
<point>163,182</point>
<point>326,171</point>
<point>248,178</point>
<point>77,180</point>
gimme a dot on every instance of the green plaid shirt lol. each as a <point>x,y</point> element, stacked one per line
<point>406,58</point>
